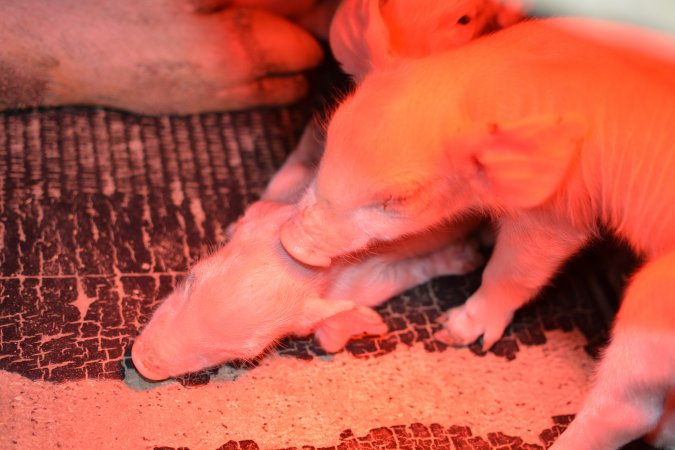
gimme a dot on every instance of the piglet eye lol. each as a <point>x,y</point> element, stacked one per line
<point>394,201</point>
<point>464,20</point>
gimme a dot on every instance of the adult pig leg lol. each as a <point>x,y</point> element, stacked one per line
<point>313,15</point>
<point>282,7</point>
<point>528,251</point>
<point>149,57</point>
<point>637,370</point>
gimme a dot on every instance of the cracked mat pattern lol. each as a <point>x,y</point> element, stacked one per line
<point>102,213</point>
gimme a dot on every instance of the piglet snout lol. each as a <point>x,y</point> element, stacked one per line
<point>146,362</point>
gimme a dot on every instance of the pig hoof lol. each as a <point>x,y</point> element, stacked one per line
<point>459,328</point>
<point>334,332</point>
<point>462,327</point>
<point>461,258</point>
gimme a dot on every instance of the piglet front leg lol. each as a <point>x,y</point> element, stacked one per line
<point>299,168</point>
<point>376,280</point>
<point>527,253</point>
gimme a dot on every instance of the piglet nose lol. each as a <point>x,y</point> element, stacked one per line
<point>300,245</point>
<point>146,362</point>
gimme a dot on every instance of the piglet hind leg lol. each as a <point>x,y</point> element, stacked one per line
<point>663,436</point>
<point>633,391</point>
<point>527,253</point>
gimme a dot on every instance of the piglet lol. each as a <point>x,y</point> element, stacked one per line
<point>368,34</point>
<point>552,131</point>
<point>249,294</point>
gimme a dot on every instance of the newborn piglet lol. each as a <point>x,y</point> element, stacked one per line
<point>249,294</point>
<point>367,35</point>
<point>552,127</point>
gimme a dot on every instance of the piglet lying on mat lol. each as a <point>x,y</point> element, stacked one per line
<point>250,293</point>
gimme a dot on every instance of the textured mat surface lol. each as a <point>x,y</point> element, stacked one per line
<point>101,213</point>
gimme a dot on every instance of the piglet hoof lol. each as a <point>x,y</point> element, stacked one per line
<point>463,326</point>
<point>334,332</point>
<point>458,328</point>
<point>460,258</point>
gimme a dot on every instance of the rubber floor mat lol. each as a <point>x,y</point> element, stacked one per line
<point>102,212</point>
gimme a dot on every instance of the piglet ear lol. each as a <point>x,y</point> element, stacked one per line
<point>510,12</point>
<point>522,164</point>
<point>359,38</point>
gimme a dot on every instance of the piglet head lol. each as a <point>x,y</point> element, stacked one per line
<point>378,180</point>
<point>365,34</point>
<point>313,234</point>
<point>426,159</point>
<point>235,303</point>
